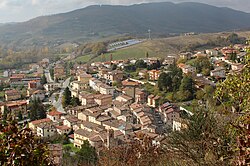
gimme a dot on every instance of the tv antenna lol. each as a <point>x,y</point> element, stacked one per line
<point>149,34</point>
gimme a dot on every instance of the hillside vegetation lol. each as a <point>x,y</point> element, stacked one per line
<point>163,47</point>
<point>96,22</point>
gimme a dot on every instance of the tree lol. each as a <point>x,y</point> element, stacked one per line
<point>43,80</point>
<point>37,109</point>
<point>66,97</point>
<point>165,82</point>
<point>146,55</point>
<point>20,116</point>
<point>20,147</point>
<point>187,83</point>
<point>87,154</point>
<point>205,140</point>
<point>138,152</point>
<point>140,64</point>
<point>75,101</point>
<point>235,92</point>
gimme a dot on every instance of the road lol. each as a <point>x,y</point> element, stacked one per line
<point>48,76</point>
<point>58,104</point>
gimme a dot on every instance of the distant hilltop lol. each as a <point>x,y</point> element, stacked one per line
<point>95,22</point>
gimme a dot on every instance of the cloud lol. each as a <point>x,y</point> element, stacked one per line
<point>21,10</point>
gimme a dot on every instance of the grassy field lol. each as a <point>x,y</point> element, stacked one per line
<point>161,47</point>
<point>74,149</point>
<point>84,58</point>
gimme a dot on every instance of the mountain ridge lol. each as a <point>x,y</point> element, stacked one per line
<point>97,21</point>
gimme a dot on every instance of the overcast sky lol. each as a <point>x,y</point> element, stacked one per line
<point>22,10</point>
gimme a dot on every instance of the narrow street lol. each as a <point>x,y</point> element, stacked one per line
<point>58,104</point>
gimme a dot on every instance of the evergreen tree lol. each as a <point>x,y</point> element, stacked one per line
<point>43,80</point>
<point>66,100</point>
<point>75,101</point>
<point>87,154</point>
<point>20,116</point>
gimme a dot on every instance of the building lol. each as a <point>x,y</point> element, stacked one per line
<point>237,66</point>
<point>124,98</point>
<point>15,107</point>
<point>46,130</point>
<point>6,73</point>
<point>33,124</point>
<point>169,113</point>
<point>54,115</point>
<point>218,72</point>
<point>154,74</point>
<point>38,94</point>
<point>153,101</point>
<point>84,78</point>
<point>11,95</point>
<point>106,89</point>
<point>114,76</point>
<point>59,72</point>
<point>186,55</point>
<point>51,86</point>
<point>103,100</point>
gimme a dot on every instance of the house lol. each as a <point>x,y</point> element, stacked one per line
<point>237,66</point>
<point>84,77</point>
<point>86,99</point>
<point>124,98</point>
<point>82,135</point>
<point>6,73</point>
<point>186,55</point>
<point>143,74</point>
<point>51,86</point>
<point>168,61</point>
<point>140,96</point>
<point>33,124</point>
<point>178,124</point>
<point>154,74</point>
<point>103,100</point>
<point>106,89</point>
<point>218,72</point>
<point>38,94</point>
<point>70,121</point>
<point>114,76</point>
<point>54,115</point>
<point>169,113</point>
<point>11,95</point>
<point>46,130</point>
<point>153,101</point>
<point>62,130</point>
<point>59,72</point>
<point>94,84</point>
<point>78,86</point>
<point>186,69</point>
<point>118,125</point>
<point>15,107</point>
<point>212,52</point>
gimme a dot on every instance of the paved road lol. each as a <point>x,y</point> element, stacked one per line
<point>48,76</point>
<point>58,104</point>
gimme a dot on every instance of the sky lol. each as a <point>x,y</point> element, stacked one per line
<point>23,10</point>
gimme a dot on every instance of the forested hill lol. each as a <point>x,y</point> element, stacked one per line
<point>95,22</point>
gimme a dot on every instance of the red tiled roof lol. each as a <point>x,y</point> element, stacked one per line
<point>16,103</point>
<point>62,127</point>
<point>54,113</point>
<point>8,92</point>
<point>36,122</point>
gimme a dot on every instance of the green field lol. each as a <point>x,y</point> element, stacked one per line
<point>161,47</point>
<point>74,149</point>
<point>84,58</point>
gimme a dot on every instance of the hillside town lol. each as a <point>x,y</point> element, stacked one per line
<point>114,102</point>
